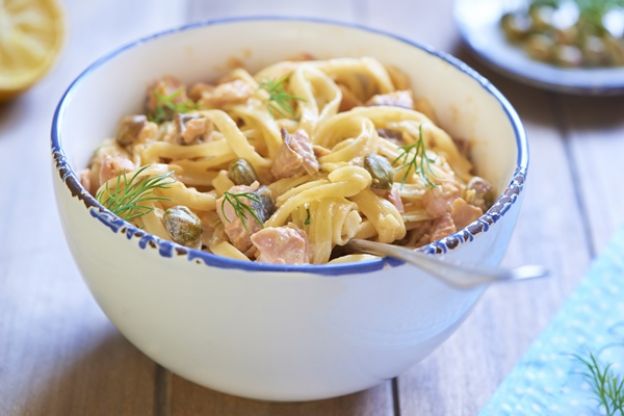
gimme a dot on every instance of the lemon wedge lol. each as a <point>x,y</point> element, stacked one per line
<point>31,33</point>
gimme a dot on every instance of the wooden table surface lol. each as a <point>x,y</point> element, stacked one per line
<point>59,355</point>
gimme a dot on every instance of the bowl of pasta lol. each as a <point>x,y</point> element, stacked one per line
<point>209,178</point>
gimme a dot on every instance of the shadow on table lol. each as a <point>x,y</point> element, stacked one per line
<point>9,117</point>
<point>188,398</point>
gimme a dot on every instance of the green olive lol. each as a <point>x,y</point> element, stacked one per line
<point>541,16</point>
<point>516,26</point>
<point>595,51</point>
<point>183,225</point>
<point>130,128</point>
<point>242,173</point>
<point>265,207</point>
<point>615,48</point>
<point>381,171</point>
<point>540,47</point>
<point>568,56</point>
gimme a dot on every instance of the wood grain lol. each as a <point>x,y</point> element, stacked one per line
<point>460,376</point>
<point>594,129</point>
<point>59,355</point>
<point>470,365</point>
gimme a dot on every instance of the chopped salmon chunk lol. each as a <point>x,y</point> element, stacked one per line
<point>113,166</point>
<point>442,227</point>
<point>394,99</point>
<point>463,213</point>
<point>233,92</point>
<point>237,231</point>
<point>438,200</point>
<point>295,157</point>
<point>281,245</point>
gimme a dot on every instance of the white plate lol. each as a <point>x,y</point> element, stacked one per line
<point>478,22</point>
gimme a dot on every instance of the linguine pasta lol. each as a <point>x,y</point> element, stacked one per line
<point>289,164</point>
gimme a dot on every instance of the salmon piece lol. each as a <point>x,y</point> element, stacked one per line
<point>113,166</point>
<point>402,99</point>
<point>442,227</point>
<point>479,193</point>
<point>192,127</point>
<point>197,90</point>
<point>281,245</point>
<point>296,156</point>
<point>438,200</point>
<point>463,213</point>
<point>238,233</point>
<point>233,92</point>
<point>165,87</point>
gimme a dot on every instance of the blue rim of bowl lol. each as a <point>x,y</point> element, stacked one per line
<point>553,83</point>
<point>170,249</point>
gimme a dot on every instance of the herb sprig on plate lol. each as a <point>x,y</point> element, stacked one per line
<point>129,196</point>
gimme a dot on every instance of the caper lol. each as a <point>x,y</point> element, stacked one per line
<point>130,128</point>
<point>242,173</point>
<point>265,206</point>
<point>183,225</point>
<point>381,171</point>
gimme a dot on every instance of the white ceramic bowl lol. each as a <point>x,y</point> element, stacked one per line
<point>269,331</point>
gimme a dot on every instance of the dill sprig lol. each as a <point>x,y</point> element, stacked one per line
<point>241,209</point>
<point>128,197</point>
<point>414,157</point>
<point>280,101</point>
<point>607,386</point>
<point>166,106</point>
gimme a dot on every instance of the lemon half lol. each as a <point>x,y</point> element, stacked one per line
<point>31,33</point>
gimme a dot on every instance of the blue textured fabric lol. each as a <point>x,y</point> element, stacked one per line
<point>549,380</point>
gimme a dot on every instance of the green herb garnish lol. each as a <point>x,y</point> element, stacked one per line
<point>280,101</point>
<point>414,157</point>
<point>166,106</point>
<point>606,386</point>
<point>240,208</point>
<point>128,197</point>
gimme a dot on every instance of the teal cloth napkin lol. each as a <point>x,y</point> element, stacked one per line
<point>550,380</point>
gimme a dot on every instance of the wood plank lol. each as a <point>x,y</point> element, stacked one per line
<point>595,132</point>
<point>459,377</point>
<point>59,354</point>
<point>473,362</point>
<point>190,399</point>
